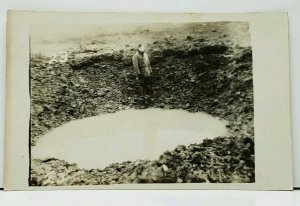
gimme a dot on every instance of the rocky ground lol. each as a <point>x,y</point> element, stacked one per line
<point>192,71</point>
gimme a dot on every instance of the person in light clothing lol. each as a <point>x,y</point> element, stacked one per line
<point>142,67</point>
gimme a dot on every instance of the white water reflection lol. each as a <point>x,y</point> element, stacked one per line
<point>99,141</point>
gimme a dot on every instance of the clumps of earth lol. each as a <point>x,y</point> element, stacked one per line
<point>221,160</point>
<point>196,72</point>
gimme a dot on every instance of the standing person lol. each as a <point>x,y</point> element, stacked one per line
<point>142,67</point>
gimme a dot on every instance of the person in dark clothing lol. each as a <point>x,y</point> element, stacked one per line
<point>142,67</point>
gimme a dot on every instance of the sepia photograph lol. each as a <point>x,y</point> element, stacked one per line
<point>147,101</point>
<point>138,103</point>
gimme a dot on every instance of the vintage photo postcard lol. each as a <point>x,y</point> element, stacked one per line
<point>147,101</point>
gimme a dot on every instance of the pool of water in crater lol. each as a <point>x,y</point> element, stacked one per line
<point>98,141</point>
